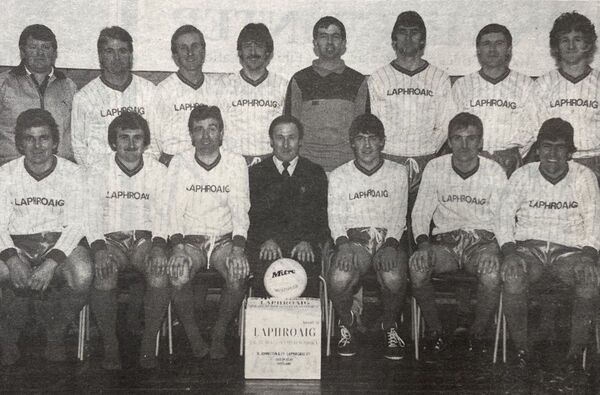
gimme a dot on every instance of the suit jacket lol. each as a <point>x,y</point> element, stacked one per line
<point>288,209</point>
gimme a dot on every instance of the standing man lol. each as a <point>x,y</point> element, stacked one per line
<point>253,97</point>
<point>460,192</point>
<point>572,91</point>
<point>181,92</point>
<point>413,100</point>
<point>327,96</point>
<point>41,226</point>
<point>502,98</point>
<point>550,225</point>
<point>115,91</point>
<point>208,222</point>
<point>127,195</point>
<point>35,83</point>
<point>367,200</point>
<point>288,210</point>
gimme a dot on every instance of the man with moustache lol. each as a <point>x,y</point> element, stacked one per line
<point>502,98</point>
<point>35,83</point>
<point>115,91</point>
<point>181,92</point>
<point>288,206</point>
<point>253,97</point>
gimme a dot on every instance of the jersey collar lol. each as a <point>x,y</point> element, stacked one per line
<point>40,177</point>
<point>575,80</point>
<point>132,172</point>
<point>253,82</point>
<point>115,87</point>
<point>367,171</point>
<point>494,81</point>
<point>556,180</point>
<point>190,83</point>
<point>407,71</point>
<point>464,175</point>
<point>208,167</point>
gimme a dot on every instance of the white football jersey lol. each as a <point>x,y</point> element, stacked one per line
<point>506,107</point>
<point>176,98</point>
<point>53,203</point>
<point>248,109</point>
<point>375,199</point>
<point>454,202</point>
<point>96,105</point>
<point>575,100</point>
<point>414,107</point>
<point>123,200</point>
<point>566,213</point>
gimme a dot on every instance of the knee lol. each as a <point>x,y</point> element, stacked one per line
<point>154,281</point>
<point>586,291</point>
<point>515,285</point>
<point>489,281</point>
<point>419,279</point>
<point>236,285</point>
<point>393,281</point>
<point>339,280</point>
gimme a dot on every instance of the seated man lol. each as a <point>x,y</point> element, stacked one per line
<point>367,215</point>
<point>126,197</point>
<point>288,213</point>
<point>550,226</point>
<point>40,231</point>
<point>208,223</point>
<point>460,193</point>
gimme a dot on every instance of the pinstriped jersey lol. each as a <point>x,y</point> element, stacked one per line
<point>52,202</point>
<point>566,213</point>
<point>94,108</point>
<point>209,200</point>
<point>121,199</point>
<point>506,107</point>
<point>248,109</point>
<point>414,106</point>
<point>176,98</point>
<point>458,201</point>
<point>575,100</point>
<point>359,198</point>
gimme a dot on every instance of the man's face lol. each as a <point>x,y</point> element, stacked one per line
<point>206,135</point>
<point>493,50</point>
<point>115,57</point>
<point>367,148</point>
<point>130,145</point>
<point>38,145</point>
<point>190,51</point>
<point>254,55</point>
<point>553,156</point>
<point>409,41</point>
<point>329,44</point>
<point>286,142</point>
<point>465,144</point>
<point>572,49</point>
<point>39,56</point>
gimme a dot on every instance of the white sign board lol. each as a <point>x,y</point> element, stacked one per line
<point>283,339</point>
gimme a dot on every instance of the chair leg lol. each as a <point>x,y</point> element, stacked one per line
<point>584,358</point>
<point>329,327</point>
<point>416,320</point>
<point>504,336</point>
<point>170,328</point>
<point>597,337</point>
<point>81,333</point>
<point>242,326</point>
<point>156,348</point>
<point>498,326</point>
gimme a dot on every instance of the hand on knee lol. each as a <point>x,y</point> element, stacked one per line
<point>345,259</point>
<point>386,259</point>
<point>422,260</point>
<point>488,263</point>
<point>586,272</point>
<point>514,269</point>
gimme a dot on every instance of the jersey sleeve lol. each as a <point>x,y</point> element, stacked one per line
<point>361,102</point>
<point>397,217</point>
<point>510,201</point>
<point>6,208</point>
<point>159,208</point>
<point>591,214</point>
<point>239,199</point>
<point>94,211</point>
<point>177,200</point>
<point>75,217</point>
<point>426,202</point>
<point>293,100</point>
<point>446,109</point>
<point>79,131</point>
<point>336,206</point>
<point>528,121</point>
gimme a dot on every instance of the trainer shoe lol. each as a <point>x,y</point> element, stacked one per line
<point>437,343</point>
<point>346,345</point>
<point>523,360</point>
<point>394,345</point>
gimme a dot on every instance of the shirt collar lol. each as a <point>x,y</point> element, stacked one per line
<point>50,74</point>
<point>324,72</point>
<point>279,165</point>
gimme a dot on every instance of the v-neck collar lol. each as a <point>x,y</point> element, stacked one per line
<point>190,83</point>
<point>494,81</point>
<point>408,72</point>
<point>124,169</point>
<point>252,82</point>
<point>367,171</point>
<point>115,87</point>
<point>556,180</point>
<point>208,167</point>
<point>575,80</point>
<point>40,177</point>
<point>465,175</point>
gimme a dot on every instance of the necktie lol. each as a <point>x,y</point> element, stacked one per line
<point>285,171</point>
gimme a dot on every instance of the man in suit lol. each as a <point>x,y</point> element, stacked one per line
<point>288,214</point>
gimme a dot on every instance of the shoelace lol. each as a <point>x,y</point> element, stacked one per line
<point>394,339</point>
<point>345,338</point>
<point>439,343</point>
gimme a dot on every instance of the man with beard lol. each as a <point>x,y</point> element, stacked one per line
<point>413,100</point>
<point>42,263</point>
<point>253,97</point>
<point>35,83</point>
<point>116,90</point>
<point>502,98</point>
<point>572,91</point>
<point>326,97</point>
<point>181,92</point>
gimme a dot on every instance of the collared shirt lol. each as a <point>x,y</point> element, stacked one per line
<point>291,167</point>
<point>339,68</point>
<point>50,74</point>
